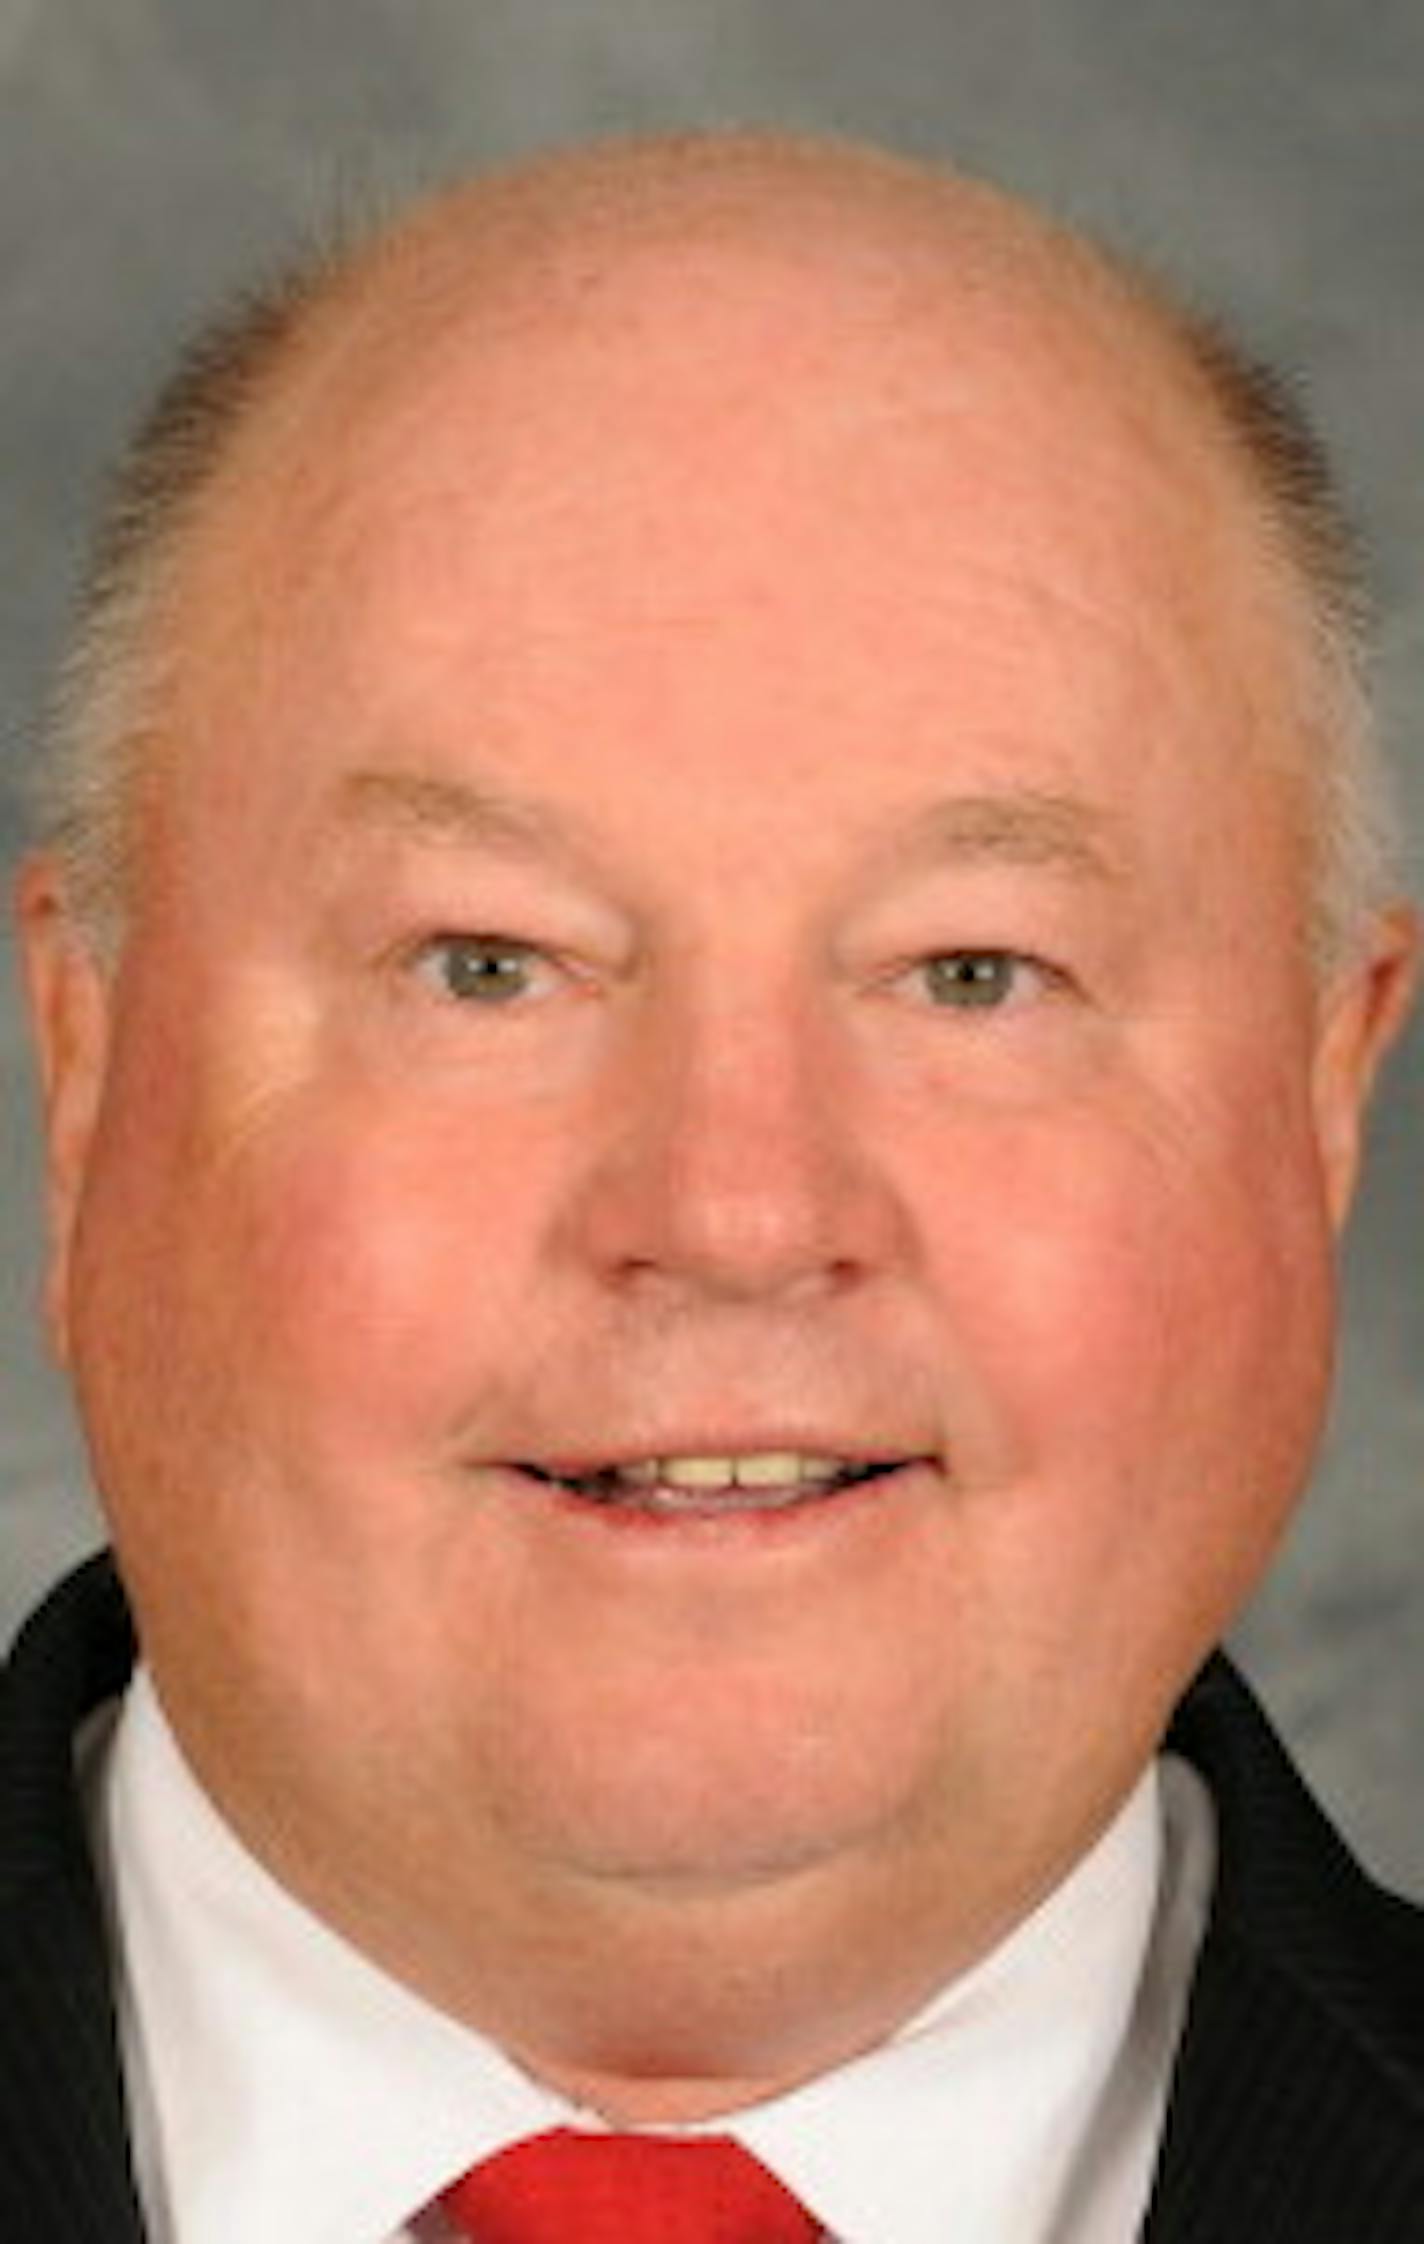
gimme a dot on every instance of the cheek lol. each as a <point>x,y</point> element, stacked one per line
<point>1140,1315</point>
<point>304,1323</point>
<point>378,1267</point>
<point>1149,1299</point>
<point>302,1270</point>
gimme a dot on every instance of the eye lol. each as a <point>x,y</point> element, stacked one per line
<point>981,981</point>
<point>482,970</point>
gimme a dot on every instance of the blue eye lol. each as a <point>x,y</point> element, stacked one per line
<point>975,981</point>
<point>478,969</point>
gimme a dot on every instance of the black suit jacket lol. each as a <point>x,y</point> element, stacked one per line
<point>1297,2107</point>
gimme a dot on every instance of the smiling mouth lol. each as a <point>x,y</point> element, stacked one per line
<point>716,1487</point>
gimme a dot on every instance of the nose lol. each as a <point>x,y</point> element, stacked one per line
<point>728,1165</point>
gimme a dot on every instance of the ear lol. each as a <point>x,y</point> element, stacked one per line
<point>1362,1012</point>
<point>69,1004</point>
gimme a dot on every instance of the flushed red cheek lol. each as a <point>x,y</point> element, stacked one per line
<point>1113,1304</point>
<point>374,1278</point>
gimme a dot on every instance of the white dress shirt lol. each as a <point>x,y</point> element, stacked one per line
<point>282,2090</point>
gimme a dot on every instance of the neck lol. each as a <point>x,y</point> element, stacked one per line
<point>668,2009</point>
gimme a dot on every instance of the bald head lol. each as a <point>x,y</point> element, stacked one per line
<point>671,285</point>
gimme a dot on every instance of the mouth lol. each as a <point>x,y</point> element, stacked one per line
<point>717,1487</point>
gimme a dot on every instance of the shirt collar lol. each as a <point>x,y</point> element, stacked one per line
<point>284,2087</point>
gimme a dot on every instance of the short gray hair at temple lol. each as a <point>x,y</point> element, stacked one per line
<point>104,709</point>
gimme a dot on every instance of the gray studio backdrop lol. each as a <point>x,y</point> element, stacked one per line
<point>1267,153</point>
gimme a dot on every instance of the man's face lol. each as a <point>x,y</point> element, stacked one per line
<point>722,888</point>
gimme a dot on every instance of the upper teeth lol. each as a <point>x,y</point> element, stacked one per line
<point>770,1468</point>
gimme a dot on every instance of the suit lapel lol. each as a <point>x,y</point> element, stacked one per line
<point>64,2165</point>
<point>1297,2109</point>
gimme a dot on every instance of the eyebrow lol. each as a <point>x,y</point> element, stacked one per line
<point>470,813</point>
<point>1020,826</point>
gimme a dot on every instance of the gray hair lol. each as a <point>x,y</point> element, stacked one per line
<point>1355,830</point>
<point>110,684</point>
<point>110,687</point>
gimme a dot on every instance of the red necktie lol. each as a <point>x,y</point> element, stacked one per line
<point>569,2188</point>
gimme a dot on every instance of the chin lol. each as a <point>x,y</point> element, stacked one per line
<point>730,1809</point>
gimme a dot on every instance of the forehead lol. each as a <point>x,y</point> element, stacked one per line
<point>622,473</point>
